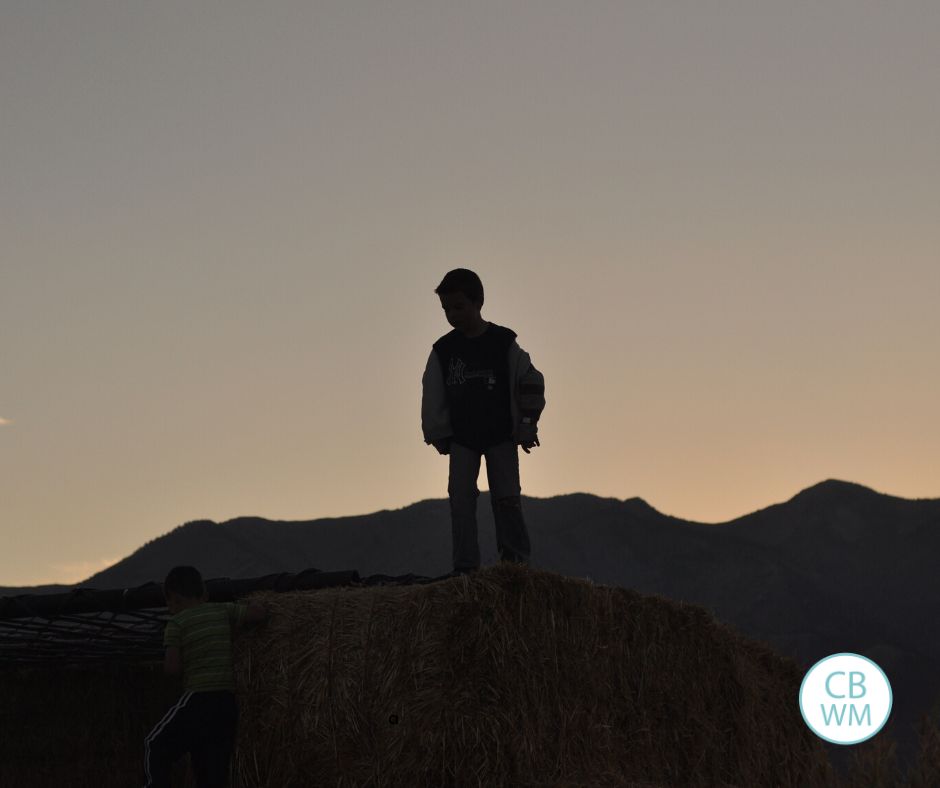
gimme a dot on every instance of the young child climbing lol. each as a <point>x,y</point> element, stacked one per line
<point>198,640</point>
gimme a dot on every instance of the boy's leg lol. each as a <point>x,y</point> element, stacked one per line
<point>502,471</point>
<point>463,493</point>
<point>212,752</point>
<point>168,740</point>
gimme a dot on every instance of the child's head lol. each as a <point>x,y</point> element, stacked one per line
<point>462,280</point>
<point>183,586</point>
<point>461,294</point>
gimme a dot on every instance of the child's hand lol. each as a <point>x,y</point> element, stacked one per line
<point>257,613</point>
<point>527,436</point>
<point>529,444</point>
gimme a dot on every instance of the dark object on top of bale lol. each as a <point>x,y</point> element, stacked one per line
<point>513,676</point>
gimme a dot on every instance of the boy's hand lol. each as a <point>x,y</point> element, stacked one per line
<point>256,614</point>
<point>529,444</point>
<point>442,446</point>
<point>527,436</point>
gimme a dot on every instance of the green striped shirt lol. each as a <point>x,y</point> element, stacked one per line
<point>203,635</point>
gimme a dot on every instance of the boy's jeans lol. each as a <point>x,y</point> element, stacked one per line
<point>502,472</point>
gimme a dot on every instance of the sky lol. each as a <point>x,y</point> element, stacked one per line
<point>714,226</point>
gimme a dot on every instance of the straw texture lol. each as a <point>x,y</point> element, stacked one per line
<point>513,677</point>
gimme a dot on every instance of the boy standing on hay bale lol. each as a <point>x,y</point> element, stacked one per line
<point>198,640</point>
<point>481,397</point>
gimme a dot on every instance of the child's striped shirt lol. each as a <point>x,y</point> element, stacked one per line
<point>203,635</point>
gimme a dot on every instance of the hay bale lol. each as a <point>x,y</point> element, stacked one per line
<point>513,677</point>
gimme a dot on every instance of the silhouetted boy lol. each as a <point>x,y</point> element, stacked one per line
<point>198,640</point>
<point>481,397</point>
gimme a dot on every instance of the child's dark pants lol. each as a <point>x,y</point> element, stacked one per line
<point>502,472</point>
<point>202,724</point>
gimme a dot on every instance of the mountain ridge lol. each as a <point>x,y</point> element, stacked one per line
<point>825,494</point>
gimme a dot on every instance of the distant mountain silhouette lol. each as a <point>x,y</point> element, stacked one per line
<point>49,589</point>
<point>838,567</point>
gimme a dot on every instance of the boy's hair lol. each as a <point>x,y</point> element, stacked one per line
<point>462,280</point>
<point>185,581</point>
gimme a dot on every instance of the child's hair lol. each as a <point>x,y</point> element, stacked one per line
<point>185,581</point>
<point>462,280</point>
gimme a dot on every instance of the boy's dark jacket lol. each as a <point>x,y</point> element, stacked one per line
<point>526,393</point>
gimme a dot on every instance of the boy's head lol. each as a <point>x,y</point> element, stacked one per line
<point>461,294</point>
<point>183,585</point>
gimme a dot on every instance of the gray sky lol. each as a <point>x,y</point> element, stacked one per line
<point>713,225</point>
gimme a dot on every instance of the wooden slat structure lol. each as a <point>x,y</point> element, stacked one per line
<point>88,626</point>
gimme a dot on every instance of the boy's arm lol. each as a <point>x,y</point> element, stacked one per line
<point>172,662</point>
<point>248,615</point>
<point>435,415</point>
<point>530,398</point>
<point>172,639</point>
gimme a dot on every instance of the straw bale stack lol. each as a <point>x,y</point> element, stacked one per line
<point>513,677</point>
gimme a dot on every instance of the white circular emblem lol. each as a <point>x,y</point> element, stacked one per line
<point>845,698</point>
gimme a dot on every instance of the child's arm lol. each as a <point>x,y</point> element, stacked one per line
<point>172,640</point>
<point>248,615</point>
<point>529,397</point>
<point>172,663</point>
<point>435,416</point>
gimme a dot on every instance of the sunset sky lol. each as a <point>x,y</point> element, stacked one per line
<point>715,226</point>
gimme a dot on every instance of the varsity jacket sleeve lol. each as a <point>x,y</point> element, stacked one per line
<point>435,416</point>
<point>528,394</point>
